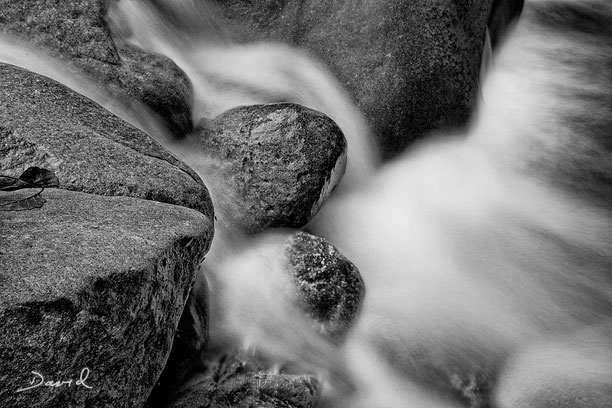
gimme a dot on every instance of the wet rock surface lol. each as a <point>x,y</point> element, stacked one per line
<point>239,382</point>
<point>271,165</point>
<point>411,66</point>
<point>329,286</point>
<point>77,31</point>
<point>45,124</point>
<point>312,275</point>
<point>93,282</point>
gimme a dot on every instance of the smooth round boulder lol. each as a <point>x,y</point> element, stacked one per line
<point>270,165</point>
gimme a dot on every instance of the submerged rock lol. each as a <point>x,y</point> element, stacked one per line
<point>271,165</point>
<point>236,382</point>
<point>96,283</point>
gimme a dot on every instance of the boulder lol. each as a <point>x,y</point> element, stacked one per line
<point>45,124</point>
<point>329,286</point>
<point>270,165</point>
<point>412,66</point>
<point>561,372</point>
<point>77,32</point>
<point>151,79</point>
<point>91,292</point>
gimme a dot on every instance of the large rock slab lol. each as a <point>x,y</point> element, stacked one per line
<point>270,165</point>
<point>45,124</point>
<point>93,282</point>
<point>412,66</point>
<point>77,32</point>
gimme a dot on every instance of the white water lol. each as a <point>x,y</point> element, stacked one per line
<point>471,255</point>
<point>225,75</point>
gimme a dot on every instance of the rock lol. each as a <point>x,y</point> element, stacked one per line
<point>188,347</point>
<point>93,282</point>
<point>329,286</point>
<point>271,165</point>
<point>471,389</point>
<point>239,383</point>
<point>44,124</point>
<point>149,78</point>
<point>412,67</point>
<point>77,32</point>
<point>75,29</point>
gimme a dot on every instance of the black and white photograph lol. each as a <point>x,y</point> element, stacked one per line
<point>306,203</point>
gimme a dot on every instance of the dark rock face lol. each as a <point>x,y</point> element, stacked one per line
<point>329,286</point>
<point>412,66</point>
<point>77,32</point>
<point>189,345</point>
<point>271,165</point>
<point>243,383</point>
<point>44,124</point>
<point>93,282</point>
<point>503,15</point>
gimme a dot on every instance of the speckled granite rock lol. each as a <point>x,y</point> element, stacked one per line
<point>149,78</point>
<point>93,282</point>
<point>329,286</point>
<point>271,165</point>
<point>77,31</point>
<point>412,66</point>
<point>44,124</point>
<point>75,28</point>
<point>238,383</point>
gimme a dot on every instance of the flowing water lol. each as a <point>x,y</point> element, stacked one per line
<point>225,75</point>
<point>488,253</point>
